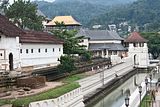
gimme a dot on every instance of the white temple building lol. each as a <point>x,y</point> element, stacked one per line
<point>138,50</point>
<point>27,50</point>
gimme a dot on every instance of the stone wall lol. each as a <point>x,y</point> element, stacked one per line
<point>96,81</point>
<point>71,99</point>
<point>135,97</point>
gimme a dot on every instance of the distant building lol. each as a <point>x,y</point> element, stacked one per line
<point>27,50</point>
<point>138,50</point>
<point>96,26</point>
<point>103,43</point>
<point>68,22</point>
<point>112,27</point>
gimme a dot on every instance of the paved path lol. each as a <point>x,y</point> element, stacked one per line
<point>157,99</point>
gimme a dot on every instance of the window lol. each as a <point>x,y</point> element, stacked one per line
<point>20,50</point>
<point>59,49</point>
<point>45,50</point>
<point>53,49</point>
<point>135,44</point>
<point>39,50</point>
<point>141,44</point>
<point>26,50</point>
<point>31,50</point>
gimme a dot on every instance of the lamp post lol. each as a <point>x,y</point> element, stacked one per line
<point>127,101</point>
<point>146,82</point>
<point>140,91</point>
<point>150,76</point>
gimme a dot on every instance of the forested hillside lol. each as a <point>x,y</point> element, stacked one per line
<point>101,2</point>
<point>144,13</point>
<point>82,10</point>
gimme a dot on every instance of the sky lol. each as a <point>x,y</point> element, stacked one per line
<point>11,1</point>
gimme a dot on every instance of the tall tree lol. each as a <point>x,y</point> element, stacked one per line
<point>71,41</point>
<point>154,43</point>
<point>3,5</point>
<point>23,13</point>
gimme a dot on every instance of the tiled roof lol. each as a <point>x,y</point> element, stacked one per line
<point>99,34</point>
<point>39,37</point>
<point>8,28</point>
<point>67,20</point>
<point>135,37</point>
<point>108,46</point>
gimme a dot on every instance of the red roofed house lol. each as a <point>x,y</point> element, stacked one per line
<point>27,49</point>
<point>138,50</point>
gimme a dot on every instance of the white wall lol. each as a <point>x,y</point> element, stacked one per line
<point>43,59</point>
<point>40,58</point>
<point>134,99</point>
<point>70,99</point>
<point>104,41</point>
<point>94,82</point>
<point>9,45</point>
<point>85,43</point>
<point>142,56</point>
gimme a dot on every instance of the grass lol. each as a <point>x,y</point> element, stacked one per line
<point>146,101</point>
<point>73,78</point>
<point>69,85</point>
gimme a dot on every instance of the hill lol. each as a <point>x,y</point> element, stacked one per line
<point>100,2</point>
<point>144,13</point>
<point>82,10</point>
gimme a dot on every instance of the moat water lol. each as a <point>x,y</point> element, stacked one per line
<point>116,97</point>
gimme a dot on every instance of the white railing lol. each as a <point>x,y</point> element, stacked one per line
<point>71,99</point>
<point>93,82</point>
<point>135,96</point>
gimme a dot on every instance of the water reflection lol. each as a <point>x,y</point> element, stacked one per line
<point>116,98</point>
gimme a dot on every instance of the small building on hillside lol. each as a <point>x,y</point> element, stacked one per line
<point>27,50</point>
<point>68,22</point>
<point>103,43</point>
<point>138,50</point>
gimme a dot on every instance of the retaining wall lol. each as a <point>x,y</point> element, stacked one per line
<point>96,81</point>
<point>134,99</point>
<point>71,99</point>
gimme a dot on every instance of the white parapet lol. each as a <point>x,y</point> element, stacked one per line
<point>134,99</point>
<point>96,81</point>
<point>71,99</point>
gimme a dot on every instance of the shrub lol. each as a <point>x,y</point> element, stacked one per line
<point>67,64</point>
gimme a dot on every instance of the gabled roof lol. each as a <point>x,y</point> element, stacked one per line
<point>99,34</point>
<point>39,37</point>
<point>67,20</point>
<point>8,28</point>
<point>135,37</point>
<point>108,46</point>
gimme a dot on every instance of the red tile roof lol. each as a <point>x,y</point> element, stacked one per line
<point>9,29</point>
<point>39,37</point>
<point>135,37</point>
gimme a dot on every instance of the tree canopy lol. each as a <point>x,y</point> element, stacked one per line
<point>153,43</point>
<point>71,41</point>
<point>24,14</point>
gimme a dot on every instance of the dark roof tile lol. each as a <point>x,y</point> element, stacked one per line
<point>39,37</point>
<point>8,28</point>
<point>99,34</point>
<point>135,37</point>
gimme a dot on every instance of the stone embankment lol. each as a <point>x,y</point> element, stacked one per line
<point>89,86</point>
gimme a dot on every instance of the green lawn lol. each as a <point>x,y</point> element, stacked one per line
<point>69,85</point>
<point>146,101</point>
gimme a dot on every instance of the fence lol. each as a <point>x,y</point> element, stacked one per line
<point>71,99</point>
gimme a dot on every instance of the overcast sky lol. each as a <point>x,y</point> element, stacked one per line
<point>11,1</point>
